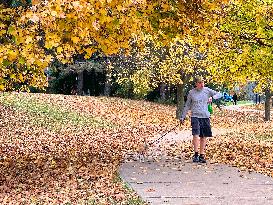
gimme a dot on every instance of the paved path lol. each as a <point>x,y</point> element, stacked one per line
<point>180,182</point>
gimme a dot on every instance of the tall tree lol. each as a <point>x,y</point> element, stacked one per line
<point>244,53</point>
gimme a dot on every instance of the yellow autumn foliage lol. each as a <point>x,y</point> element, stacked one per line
<point>64,27</point>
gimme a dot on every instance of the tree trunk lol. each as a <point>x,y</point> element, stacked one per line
<point>107,86</point>
<point>181,92</point>
<point>180,100</point>
<point>163,88</point>
<point>267,105</point>
<point>80,83</point>
<point>108,80</point>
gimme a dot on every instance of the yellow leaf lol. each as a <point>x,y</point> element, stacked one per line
<point>12,55</point>
<point>39,63</point>
<point>48,45</point>
<point>166,6</point>
<point>119,7</point>
<point>59,50</point>
<point>2,32</point>
<point>21,78</point>
<point>75,39</point>
<point>12,76</point>
<point>89,52</point>
<point>28,39</point>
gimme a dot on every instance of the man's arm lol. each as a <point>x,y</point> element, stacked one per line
<point>214,94</point>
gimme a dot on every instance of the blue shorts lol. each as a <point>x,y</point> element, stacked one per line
<point>201,127</point>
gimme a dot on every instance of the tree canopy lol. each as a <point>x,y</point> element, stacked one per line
<point>244,53</point>
<point>31,36</point>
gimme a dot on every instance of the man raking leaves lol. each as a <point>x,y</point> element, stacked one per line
<point>197,101</point>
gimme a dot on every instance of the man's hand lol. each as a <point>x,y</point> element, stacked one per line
<point>210,100</point>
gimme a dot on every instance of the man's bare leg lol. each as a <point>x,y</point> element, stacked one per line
<point>196,142</point>
<point>203,142</point>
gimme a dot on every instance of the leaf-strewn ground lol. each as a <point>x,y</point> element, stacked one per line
<point>58,149</point>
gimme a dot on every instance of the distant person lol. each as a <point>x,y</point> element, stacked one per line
<point>197,101</point>
<point>235,99</point>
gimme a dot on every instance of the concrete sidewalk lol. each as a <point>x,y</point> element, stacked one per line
<point>160,180</point>
<point>180,182</point>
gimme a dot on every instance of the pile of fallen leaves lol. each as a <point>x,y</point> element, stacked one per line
<point>250,144</point>
<point>43,167</point>
<point>259,107</point>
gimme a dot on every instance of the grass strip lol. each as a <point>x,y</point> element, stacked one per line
<point>53,117</point>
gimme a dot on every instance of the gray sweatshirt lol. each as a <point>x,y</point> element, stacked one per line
<point>197,102</point>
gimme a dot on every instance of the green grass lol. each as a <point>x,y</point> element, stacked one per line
<point>242,102</point>
<point>133,200</point>
<point>137,201</point>
<point>51,116</point>
<point>245,103</point>
<point>265,137</point>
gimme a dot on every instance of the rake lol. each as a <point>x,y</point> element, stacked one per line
<point>147,145</point>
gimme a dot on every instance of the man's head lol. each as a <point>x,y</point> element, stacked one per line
<point>199,82</point>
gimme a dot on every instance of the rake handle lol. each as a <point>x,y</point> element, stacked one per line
<point>164,134</point>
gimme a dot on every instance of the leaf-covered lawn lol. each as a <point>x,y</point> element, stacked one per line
<point>57,149</point>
